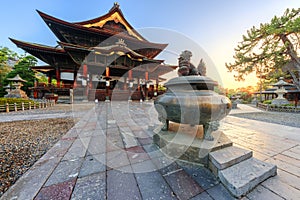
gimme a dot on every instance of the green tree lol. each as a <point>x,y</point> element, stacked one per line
<point>42,78</point>
<point>22,67</point>
<point>7,59</point>
<point>270,47</point>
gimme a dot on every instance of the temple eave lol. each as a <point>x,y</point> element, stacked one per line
<point>63,26</point>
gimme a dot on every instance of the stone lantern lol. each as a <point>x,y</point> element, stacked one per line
<point>17,92</point>
<point>280,100</point>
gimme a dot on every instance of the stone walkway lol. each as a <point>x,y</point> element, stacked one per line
<point>109,155</point>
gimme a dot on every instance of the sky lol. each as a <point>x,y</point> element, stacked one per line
<point>211,29</point>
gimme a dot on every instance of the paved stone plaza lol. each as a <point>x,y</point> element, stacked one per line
<point>109,154</point>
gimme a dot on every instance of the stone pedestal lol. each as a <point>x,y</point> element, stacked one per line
<point>187,143</point>
<point>16,93</point>
<point>280,101</point>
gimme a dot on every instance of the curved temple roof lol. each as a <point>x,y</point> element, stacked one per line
<point>106,29</point>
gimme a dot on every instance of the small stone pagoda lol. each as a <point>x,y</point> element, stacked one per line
<point>16,82</point>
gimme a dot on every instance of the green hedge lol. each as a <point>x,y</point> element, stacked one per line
<point>267,102</point>
<point>4,101</point>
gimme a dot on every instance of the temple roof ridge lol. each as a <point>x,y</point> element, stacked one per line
<point>114,14</point>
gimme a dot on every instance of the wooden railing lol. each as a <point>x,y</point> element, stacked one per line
<point>25,106</point>
<point>275,108</point>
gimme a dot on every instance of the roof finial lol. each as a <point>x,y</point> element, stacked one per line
<point>116,4</point>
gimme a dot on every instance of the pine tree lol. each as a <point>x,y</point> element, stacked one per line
<point>270,47</point>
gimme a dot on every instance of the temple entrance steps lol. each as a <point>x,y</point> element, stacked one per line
<point>238,170</point>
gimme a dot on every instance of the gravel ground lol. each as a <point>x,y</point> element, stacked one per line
<point>22,143</point>
<point>288,119</point>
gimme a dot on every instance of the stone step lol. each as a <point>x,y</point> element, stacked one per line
<point>224,158</point>
<point>241,178</point>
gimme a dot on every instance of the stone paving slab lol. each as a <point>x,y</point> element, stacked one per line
<point>90,187</point>
<point>289,179</point>
<point>142,171</point>
<point>263,193</point>
<point>122,185</point>
<point>201,175</point>
<point>219,192</point>
<point>97,145</point>
<point>65,171</point>
<point>292,169</point>
<point>61,191</point>
<point>78,149</point>
<point>282,189</point>
<point>93,164</point>
<point>183,185</point>
<point>202,196</point>
<point>153,186</point>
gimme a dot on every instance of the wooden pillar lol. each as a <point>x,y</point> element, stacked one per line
<point>107,72</point>
<point>130,81</point>
<point>156,89</point>
<point>49,79</point>
<point>107,84</point>
<point>146,85</point>
<point>84,71</point>
<point>75,84</point>
<point>146,76</point>
<point>130,75</point>
<point>85,77</point>
<point>75,78</point>
<point>90,82</point>
<point>130,78</point>
<point>35,92</point>
<point>58,77</point>
<point>139,85</point>
<point>125,83</point>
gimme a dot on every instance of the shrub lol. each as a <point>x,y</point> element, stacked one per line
<point>288,105</point>
<point>267,102</point>
<point>14,100</point>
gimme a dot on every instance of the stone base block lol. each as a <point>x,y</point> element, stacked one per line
<point>190,148</point>
<point>227,157</point>
<point>241,178</point>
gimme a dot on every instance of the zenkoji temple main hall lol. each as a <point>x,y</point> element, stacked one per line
<point>102,58</point>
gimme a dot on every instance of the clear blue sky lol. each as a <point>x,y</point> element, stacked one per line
<point>215,25</point>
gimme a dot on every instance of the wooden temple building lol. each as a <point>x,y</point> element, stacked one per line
<point>101,58</point>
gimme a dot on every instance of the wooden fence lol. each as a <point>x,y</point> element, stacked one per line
<point>25,106</point>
